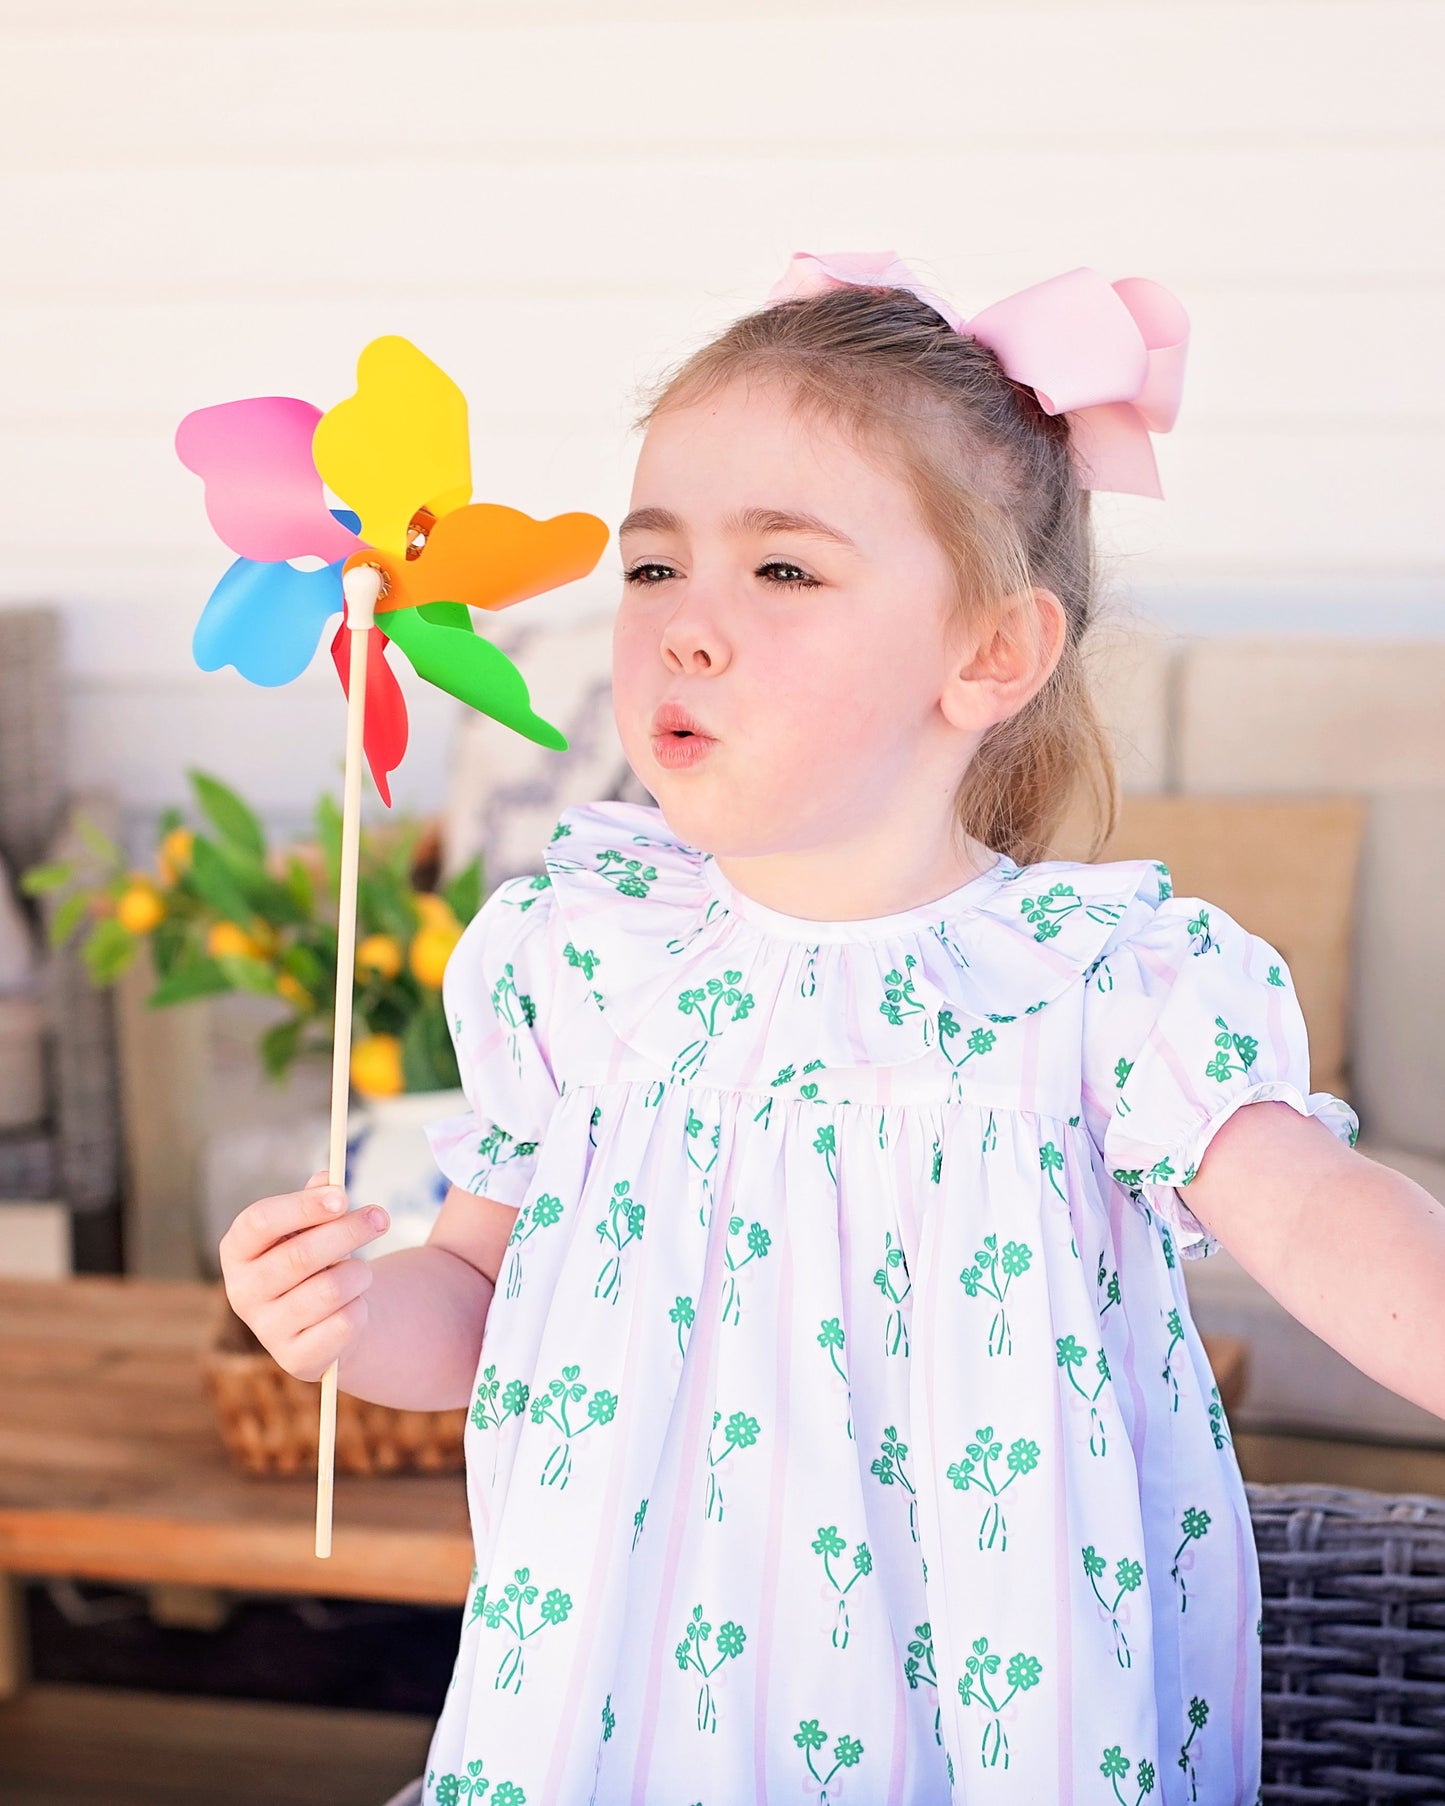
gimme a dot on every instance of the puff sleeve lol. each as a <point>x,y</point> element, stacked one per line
<point>496,992</point>
<point>1186,1019</point>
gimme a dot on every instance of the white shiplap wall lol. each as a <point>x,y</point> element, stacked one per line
<point>203,201</point>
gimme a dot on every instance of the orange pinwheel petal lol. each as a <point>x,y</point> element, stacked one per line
<point>489,556</point>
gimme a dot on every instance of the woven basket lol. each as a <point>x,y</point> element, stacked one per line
<point>269,1420</point>
<point>1353,1651</point>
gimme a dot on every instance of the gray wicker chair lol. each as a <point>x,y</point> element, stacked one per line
<point>1353,1651</point>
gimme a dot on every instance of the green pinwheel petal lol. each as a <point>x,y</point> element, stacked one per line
<point>444,648</point>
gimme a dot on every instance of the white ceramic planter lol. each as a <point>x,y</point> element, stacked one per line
<point>389,1162</point>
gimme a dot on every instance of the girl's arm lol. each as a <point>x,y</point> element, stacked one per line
<point>1353,1249</point>
<point>426,1310</point>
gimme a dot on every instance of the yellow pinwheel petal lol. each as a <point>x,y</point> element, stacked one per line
<point>398,444</point>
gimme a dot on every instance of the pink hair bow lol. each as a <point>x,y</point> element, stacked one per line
<point>1110,355</point>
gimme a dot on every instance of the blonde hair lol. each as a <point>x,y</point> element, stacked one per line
<point>995,483</point>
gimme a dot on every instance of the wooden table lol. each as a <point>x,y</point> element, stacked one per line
<point>112,1468</point>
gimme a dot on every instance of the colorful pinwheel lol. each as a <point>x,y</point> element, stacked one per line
<point>397,451</point>
<point>413,549</point>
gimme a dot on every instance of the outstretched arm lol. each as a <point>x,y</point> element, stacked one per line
<point>1353,1249</point>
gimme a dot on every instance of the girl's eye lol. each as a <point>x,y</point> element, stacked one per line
<point>802,581</point>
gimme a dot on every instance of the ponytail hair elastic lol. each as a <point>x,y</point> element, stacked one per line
<point>1109,355</point>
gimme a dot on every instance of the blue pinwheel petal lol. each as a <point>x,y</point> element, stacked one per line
<point>267,619</point>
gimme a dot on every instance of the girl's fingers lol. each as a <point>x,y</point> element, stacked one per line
<point>269,1220</point>
<point>293,1261</point>
<point>286,1318</point>
<point>315,1349</point>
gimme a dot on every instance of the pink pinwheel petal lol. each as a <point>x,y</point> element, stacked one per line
<point>263,496</point>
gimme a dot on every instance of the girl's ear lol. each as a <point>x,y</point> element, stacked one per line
<point>1004,660</point>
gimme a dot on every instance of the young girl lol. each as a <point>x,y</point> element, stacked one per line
<point>812,1265</point>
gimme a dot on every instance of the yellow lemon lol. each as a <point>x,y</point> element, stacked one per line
<point>379,953</point>
<point>430,951</point>
<point>435,911</point>
<point>224,939</point>
<point>139,908</point>
<point>174,854</point>
<point>292,989</point>
<point>376,1066</point>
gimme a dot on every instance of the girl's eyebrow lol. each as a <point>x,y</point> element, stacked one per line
<point>745,520</point>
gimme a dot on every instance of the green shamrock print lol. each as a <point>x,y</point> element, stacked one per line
<point>895,1335</point>
<point>759,1241</point>
<point>1194,1524</point>
<point>828,1544</point>
<point>1047,913</point>
<point>690,1654</point>
<point>623,1224</point>
<point>741,1433</point>
<point>485,1413</point>
<point>1129,1576</point>
<point>682,1314</point>
<point>980,1041</point>
<point>1243,1048</point>
<point>1198,1718</point>
<point>551,1407</point>
<point>831,1337</point>
<point>1200,939</point>
<point>498,1147</point>
<point>982,1279</point>
<point>630,877</point>
<point>506,1614</point>
<point>543,1212</point>
<point>847,1753</point>
<point>899,1001</point>
<point>1217,1422</point>
<point>890,1469</point>
<point>693,1131</point>
<point>1023,1672</point>
<point>1071,1353</point>
<point>639,1518</point>
<point>451,1790</point>
<point>918,1668</point>
<point>975,1470</point>
<point>717,994</point>
<point>1174,1324</point>
<point>1274,978</point>
<point>1109,1282</point>
<point>1115,1767</point>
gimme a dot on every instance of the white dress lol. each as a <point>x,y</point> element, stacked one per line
<point>841,1433</point>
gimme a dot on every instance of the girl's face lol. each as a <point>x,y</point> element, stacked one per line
<point>784,591</point>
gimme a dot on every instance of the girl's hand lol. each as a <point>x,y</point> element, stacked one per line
<point>287,1276</point>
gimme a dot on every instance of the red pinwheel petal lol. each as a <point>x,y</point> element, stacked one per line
<point>384,730</point>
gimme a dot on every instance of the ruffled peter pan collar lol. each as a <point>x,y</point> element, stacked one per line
<point>709,985</point>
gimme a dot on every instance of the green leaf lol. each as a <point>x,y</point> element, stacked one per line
<point>212,879</point>
<point>169,818</point>
<point>248,974</point>
<point>416,1058</point>
<point>279,1045</point>
<point>463,893</point>
<point>199,977</point>
<point>98,843</point>
<point>66,919</point>
<point>35,880</point>
<point>328,835</point>
<point>169,942</point>
<point>109,951</point>
<point>234,821</point>
<point>298,882</point>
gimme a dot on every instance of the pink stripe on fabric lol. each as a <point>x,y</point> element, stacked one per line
<point>943,1659</point>
<point>1237,1702</point>
<point>693,1440</point>
<point>773,1545</point>
<point>606,1520</point>
<point>1029,1067</point>
<point>1063,1616</point>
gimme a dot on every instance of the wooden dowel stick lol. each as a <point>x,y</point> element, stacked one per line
<point>362,586</point>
